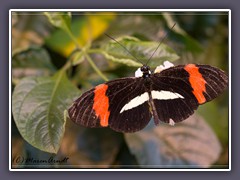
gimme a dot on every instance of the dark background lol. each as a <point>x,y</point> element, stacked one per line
<point>4,60</point>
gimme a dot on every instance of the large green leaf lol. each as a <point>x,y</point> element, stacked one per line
<point>189,144</point>
<point>38,106</point>
<point>142,50</point>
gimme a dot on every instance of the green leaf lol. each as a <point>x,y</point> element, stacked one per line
<point>219,113</point>
<point>190,43</point>
<point>189,144</point>
<point>60,19</point>
<point>32,61</point>
<point>142,50</point>
<point>38,106</point>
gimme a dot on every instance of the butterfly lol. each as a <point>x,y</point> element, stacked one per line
<point>170,95</point>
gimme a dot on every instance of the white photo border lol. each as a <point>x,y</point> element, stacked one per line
<point>116,10</point>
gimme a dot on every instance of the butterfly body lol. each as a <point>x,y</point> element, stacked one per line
<point>170,96</point>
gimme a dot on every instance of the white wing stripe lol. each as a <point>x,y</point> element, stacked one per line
<point>160,95</point>
<point>136,102</point>
<point>165,95</point>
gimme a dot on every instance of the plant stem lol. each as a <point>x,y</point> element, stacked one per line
<point>67,65</point>
<point>89,59</point>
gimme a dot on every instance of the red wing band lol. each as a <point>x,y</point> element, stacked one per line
<point>101,104</point>
<point>197,82</point>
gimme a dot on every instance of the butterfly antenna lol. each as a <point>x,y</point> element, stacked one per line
<point>124,48</point>
<point>159,44</point>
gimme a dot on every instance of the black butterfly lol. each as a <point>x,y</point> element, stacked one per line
<point>127,104</point>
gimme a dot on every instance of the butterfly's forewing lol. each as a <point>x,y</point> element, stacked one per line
<point>102,105</point>
<point>81,111</point>
<point>216,81</point>
<point>197,84</point>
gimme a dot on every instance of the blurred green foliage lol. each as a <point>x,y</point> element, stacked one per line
<point>53,53</point>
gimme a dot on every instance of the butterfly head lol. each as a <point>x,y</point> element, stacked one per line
<point>145,71</point>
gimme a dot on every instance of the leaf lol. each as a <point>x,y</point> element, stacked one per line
<point>90,148</point>
<point>221,114</point>
<point>138,25</point>
<point>86,28</point>
<point>189,43</point>
<point>60,19</point>
<point>38,104</point>
<point>170,22</point>
<point>32,61</point>
<point>142,50</point>
<point>189,144</point>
